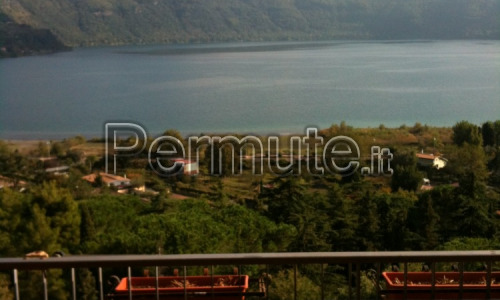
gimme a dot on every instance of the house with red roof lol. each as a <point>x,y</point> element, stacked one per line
<point>431,160</point>
<point>108,179</point>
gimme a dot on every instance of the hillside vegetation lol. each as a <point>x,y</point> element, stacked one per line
<point>253,213</point>
<point>97,22</point>
<point>21,39</point>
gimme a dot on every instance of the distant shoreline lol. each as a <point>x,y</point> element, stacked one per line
<point>100,138</point>
<point>59,137</point>
<point>382,136</point>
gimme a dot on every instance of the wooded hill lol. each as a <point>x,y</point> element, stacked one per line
<point>98,22</point>
<point>21,39</point>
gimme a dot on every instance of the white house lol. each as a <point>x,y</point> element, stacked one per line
<point>426,185</point>
<point>108,179</point>
<point>429,160</point>
<point>189,167</point>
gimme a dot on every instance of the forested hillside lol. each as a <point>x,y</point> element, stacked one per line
<point>21,39</point>
<point>95,22</point>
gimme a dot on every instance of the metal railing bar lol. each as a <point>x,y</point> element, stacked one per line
<point>45,286</point>
<point>268,286</point>
<point>405,279</point>
<point>358,281</point>
<point>129,280</point>
<point>295,282</point>
<point>16,284</point>
<point>240,272</point>
<point>324,258</point>
<point>350,280</point>
<point>73,283</point>
<point>377,280</point>
<point>433,280</point>
<point>88,261</point>
<point>461,280</point>
<point>212,279</point>
<point>488,279</point>
<point>185,283</point>
<point>157,282</point>
<point>322,268</point>
<point>101,287</point>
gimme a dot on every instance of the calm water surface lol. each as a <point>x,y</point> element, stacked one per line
<point>250,87</point>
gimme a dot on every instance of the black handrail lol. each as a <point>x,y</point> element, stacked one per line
<point>352,259</point>
<point>92,261</point>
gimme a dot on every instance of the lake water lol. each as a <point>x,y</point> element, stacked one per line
<point>263,88</point>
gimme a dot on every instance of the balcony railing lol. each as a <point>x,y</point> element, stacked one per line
<point>355,262</point>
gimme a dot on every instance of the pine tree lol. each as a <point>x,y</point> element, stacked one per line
<point>406,175</point>
<point>430,223</point>
<point>394,211</point>
<point>312,222</point>
<point>285,198</point>
<point>474,205</point>
<point>488,133</point>
<point>465,132</point>
<point>87,285</point>
<point>369,223</point>
<point>344,220</point>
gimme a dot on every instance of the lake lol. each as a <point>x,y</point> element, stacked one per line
<point>260,88</point>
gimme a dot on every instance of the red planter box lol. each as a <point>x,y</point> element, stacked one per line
<point>224,287</point>
<point>446,287</point>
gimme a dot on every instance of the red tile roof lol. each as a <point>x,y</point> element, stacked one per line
<point>426,156</point>
<point>184,161</point>
<point>106,178</point>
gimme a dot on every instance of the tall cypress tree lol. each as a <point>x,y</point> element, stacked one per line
<point>369,223</point>
<point>344,220</point>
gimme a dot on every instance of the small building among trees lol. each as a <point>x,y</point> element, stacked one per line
<point>109,180</point>
<point>429,160</point>
<point>189,167</point>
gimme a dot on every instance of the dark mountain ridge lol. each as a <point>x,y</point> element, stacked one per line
<point>21,40</point>
<point>114,22</point>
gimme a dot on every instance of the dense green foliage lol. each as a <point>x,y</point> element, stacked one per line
<point>294,213</point>
<point>465,132</point>
<point>94,22</point>
<point>126,225</point>
<point>21,40</point>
